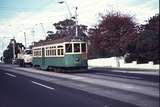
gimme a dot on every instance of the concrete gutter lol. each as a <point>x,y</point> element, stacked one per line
<point>128,70</point>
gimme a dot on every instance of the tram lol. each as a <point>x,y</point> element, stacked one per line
<point>60,54</point>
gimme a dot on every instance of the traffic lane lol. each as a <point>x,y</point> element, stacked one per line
<point>118,79</point>
<point>151,91</point>
<point>133,76</point>
<point>28,94</point>
<point>20,91</point>
<point>127,75</point>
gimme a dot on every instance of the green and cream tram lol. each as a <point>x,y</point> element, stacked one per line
<point>63,55</point>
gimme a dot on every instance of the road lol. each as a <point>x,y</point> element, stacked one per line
<point>99,90</point>
<point>20,91</point>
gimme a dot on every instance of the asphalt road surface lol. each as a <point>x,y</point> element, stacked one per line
<point>21,91</point>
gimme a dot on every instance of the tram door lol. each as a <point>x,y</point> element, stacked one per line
<point>43,57</point>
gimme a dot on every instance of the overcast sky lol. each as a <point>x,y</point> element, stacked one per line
<point>19,16</point>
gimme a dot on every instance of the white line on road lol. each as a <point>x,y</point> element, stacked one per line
<point>42,85</point>
<point>10,74</point>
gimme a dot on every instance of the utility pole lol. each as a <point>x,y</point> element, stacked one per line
<point>25,40</point>
<point>33,34</point>
<point>13,44</point>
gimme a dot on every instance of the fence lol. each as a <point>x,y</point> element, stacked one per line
<point>112,62</point>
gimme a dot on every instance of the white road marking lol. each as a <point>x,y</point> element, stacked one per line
<point>10,74</point>
<point>42,85</point>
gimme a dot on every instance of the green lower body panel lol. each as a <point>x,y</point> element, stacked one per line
<point>68,61</point>
<point>75,60</point>
<point>37,61</point>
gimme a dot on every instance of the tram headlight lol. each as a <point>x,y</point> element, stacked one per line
<point>77,59</point>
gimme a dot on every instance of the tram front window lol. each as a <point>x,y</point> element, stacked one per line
<point>68,47</point>
<point>83,47</point>
<point>28,51</point>
<point>76,47</point>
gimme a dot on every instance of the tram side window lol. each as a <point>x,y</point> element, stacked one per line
<point>59,53</point>
<point>50,52</point>
<point>62,52</point>
<point>40,53</point>
<point>34,53</point>
<point>46,52</point>
<point>76,47</point>
<point>53,52</point>
<point>83,47</point>
<point>68,47</point>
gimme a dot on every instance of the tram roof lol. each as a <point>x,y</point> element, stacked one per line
<point>55,41</point>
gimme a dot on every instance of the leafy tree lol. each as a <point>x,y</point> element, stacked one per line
<point>113,34</point>
<point>147,44</point>
<point>8,53</point>
<point>153,24</point>
<point>67,28</point>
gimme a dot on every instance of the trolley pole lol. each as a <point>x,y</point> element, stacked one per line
<point>76,19</point>
<point>42,26</point>
<point>65,2</point>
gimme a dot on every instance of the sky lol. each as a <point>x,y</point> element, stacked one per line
<point>19,16</point>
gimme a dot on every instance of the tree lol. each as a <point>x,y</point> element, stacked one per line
<point>67,28</point>
<point>153,24</point>
<point>147,44</point>
<point>8,53</point>
<point>113,34</point>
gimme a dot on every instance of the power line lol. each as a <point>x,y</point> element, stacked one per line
<point>21,8</point>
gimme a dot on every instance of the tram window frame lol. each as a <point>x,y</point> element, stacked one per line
<point>76,48</point>
<point>83,47</point>
<point>68,48</point>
